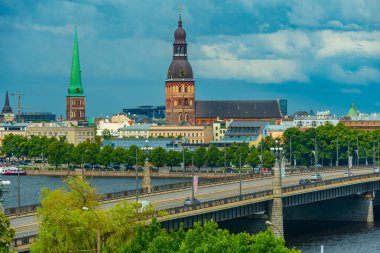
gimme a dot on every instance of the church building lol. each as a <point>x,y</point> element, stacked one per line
<point>183,109</point>
<point>75,99</point>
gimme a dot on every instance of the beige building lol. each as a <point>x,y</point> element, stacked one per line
<point>193,134</point>
<point>135,131</point>
<point>73,134</point>
<point>10,128</point>
<point>219,128</point>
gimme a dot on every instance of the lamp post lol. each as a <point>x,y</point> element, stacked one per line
<point>337,151</point>
<point>136,175</point>
<point>268,223</point>
<point>357,151</point>
<point>192,175</point>
<point>3,189</point>
<point>240,175</point>
<point>98,246</point>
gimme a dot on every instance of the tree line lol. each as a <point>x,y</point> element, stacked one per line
<point>328,144</point>
<point>323,145</point>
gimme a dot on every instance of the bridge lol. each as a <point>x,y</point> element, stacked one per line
<point>221,201</point>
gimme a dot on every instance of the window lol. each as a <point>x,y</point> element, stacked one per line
<point>186,117</point>
<point>185,88</point>
<point>186,102</point>
<point>180,88</point>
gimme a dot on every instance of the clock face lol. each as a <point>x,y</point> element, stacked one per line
<point>182,73</point>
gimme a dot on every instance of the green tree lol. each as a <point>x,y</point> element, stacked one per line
<point>6,233</point>
<point>159,157</point>
<point>118,155</point>
<point>200,157</point>
<point>173,158</point>
<point>104,156</point>
<point>253,158</point>
<point>212,156</point>
<point>65,226</point>
<point>57,152</point>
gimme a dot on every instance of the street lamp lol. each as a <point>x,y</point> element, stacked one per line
<point>337,151</point>
<point>240,175</point>
<point>268,223</point>
<point>98,246</point>
<point>136,175</point>
<point>277,151</point>
<point>3,189</point>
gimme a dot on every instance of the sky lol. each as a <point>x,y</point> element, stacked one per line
<point>319,55</point>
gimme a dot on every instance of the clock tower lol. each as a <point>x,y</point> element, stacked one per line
<point>180,84</point>
<point>75,99</point>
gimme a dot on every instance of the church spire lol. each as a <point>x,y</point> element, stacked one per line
<point>7,108</point>
<point>75,88</point>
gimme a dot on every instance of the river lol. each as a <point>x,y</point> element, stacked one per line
<point>30,186</point>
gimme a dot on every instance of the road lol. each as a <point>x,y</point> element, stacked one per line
<point>28,225</point>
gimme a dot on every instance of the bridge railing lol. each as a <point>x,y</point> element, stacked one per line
<point>328,182</point>
<point>217,202</point>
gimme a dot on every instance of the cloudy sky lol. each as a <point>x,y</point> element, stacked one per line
<point>317,54</point>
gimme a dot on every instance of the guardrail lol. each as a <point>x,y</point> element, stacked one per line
<point>328,182</point>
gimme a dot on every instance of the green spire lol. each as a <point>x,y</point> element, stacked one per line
<point>352,111</point>
<point>75,89</point>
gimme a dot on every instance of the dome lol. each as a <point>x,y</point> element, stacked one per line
<point>180,34</point>
<point>180,69</point>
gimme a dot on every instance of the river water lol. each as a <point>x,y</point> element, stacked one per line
<point>30,186</point>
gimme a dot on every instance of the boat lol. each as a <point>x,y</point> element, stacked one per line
<point>12,171</point>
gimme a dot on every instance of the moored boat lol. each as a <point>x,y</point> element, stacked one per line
<point>8,171</point>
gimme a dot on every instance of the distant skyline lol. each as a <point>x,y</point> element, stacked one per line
<point>319,55</point>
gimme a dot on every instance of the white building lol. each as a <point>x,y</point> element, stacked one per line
<point>113,124</point>
<point>319,119</point>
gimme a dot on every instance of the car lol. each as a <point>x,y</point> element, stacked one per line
<point>304,181</point>
<point>376,170</point>
<point>348,174</point>
<point>229,170</point>
<point>316,177</point>
<point>190,201</point>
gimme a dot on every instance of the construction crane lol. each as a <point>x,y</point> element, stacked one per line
<point>19,95</point>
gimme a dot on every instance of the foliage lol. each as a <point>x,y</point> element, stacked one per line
<point>158,157</point>
<point>173,158</point>
<point>206,238</point>
<point>6,233</point>
<point>104,156</point>
<point>212,156</point>
<point>200,157</point>
<point>66,226</point>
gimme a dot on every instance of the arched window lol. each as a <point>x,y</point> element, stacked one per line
<point>180,88</point>
<point>179,102</point>
<point>186,102</point>
<point>182,50</point>
<point>180,117</point>
<point>185,88</point>
<point>178,50</point>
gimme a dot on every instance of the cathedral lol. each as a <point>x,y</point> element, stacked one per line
<point>183,109</point>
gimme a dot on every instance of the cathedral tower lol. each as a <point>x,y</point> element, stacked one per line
<point>75,100</point>
<point>180,84</point>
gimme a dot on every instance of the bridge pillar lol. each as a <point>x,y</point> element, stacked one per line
<point>146,180</point>
<point>368,204</point>
<point>275,208</point>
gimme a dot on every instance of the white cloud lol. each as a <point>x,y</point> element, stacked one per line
<point>364,75</point>
<point>362,44</point>
<point>258,71</point>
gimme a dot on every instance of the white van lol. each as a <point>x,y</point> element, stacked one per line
<point>144,205</point>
